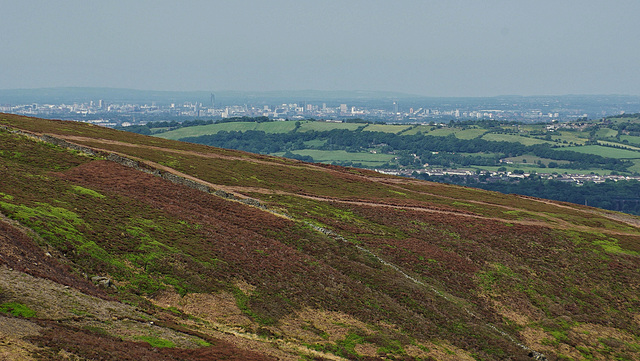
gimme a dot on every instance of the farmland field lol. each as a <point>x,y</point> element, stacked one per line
<point>514,138</point>
<point>268,127</point>
<point>605,151</point>
<point>607,133</point>
<point>615,144</point>
<point>419,128</point>
<point>206,130</point>
<point>386,128</point>
<point>442,132</point>
<point>470,133</point>
<point>327,126</point>
<point>573,137</point>
<point>636,166</point>
<point>631,139</point>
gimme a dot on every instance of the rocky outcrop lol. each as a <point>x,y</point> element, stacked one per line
<point>104,282</point>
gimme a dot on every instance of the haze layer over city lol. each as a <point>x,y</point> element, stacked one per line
<point>427,48</point>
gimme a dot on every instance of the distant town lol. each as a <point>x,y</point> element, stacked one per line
<point>113,114</point>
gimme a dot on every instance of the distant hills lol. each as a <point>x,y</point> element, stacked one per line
<point>115,245</point>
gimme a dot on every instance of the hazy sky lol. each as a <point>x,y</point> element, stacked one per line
<point>432,48</point>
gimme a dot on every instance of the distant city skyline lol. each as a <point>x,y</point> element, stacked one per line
<point>112,107</point>
<point>458,48</point>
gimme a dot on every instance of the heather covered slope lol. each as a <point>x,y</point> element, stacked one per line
<point>280,259</point>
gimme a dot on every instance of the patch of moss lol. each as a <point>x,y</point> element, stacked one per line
<point>156,341</point>
<point>612,246</point>
<point>86,191</point>
<point>17,309</point>
<point>6,196</point>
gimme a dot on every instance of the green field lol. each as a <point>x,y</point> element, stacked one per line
<point>327,126</point>
<point>470,133</point>
<point>636,166</point>
<point>572,137</point>
<point>606,133</point>
<point>617,144</point>
<point>268,127</point>
<point>514,138</point>
<point>443,132</point>
<point>315,143</point>
<point>606,151</point>
<point>386,128</point>
<point>631,139</point>
<point>424,129</point>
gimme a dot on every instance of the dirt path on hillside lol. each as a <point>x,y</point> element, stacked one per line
<point>238,191</point>
<point>627,219</point>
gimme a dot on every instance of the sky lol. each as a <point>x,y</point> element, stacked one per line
<point>438,48</point>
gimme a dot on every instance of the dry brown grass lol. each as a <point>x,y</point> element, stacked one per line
<point>217,307</point>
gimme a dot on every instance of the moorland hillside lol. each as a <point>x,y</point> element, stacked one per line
<point>121,246</point>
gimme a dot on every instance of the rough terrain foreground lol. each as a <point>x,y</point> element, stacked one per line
<point>117,246</point>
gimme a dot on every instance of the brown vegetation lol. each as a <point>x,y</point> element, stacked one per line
<point>391,267</point>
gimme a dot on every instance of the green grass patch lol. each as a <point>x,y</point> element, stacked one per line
<point>202,343</point>
<point>463,204</point>
<point>55,224</point>
<point>612,246</point>
<point>343,348</point>
<point>17,309</point>
<point>86,191</point>
<point>7,197</point>
<point>156,341</point>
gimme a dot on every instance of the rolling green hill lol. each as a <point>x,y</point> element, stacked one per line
<point>116,245</point>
